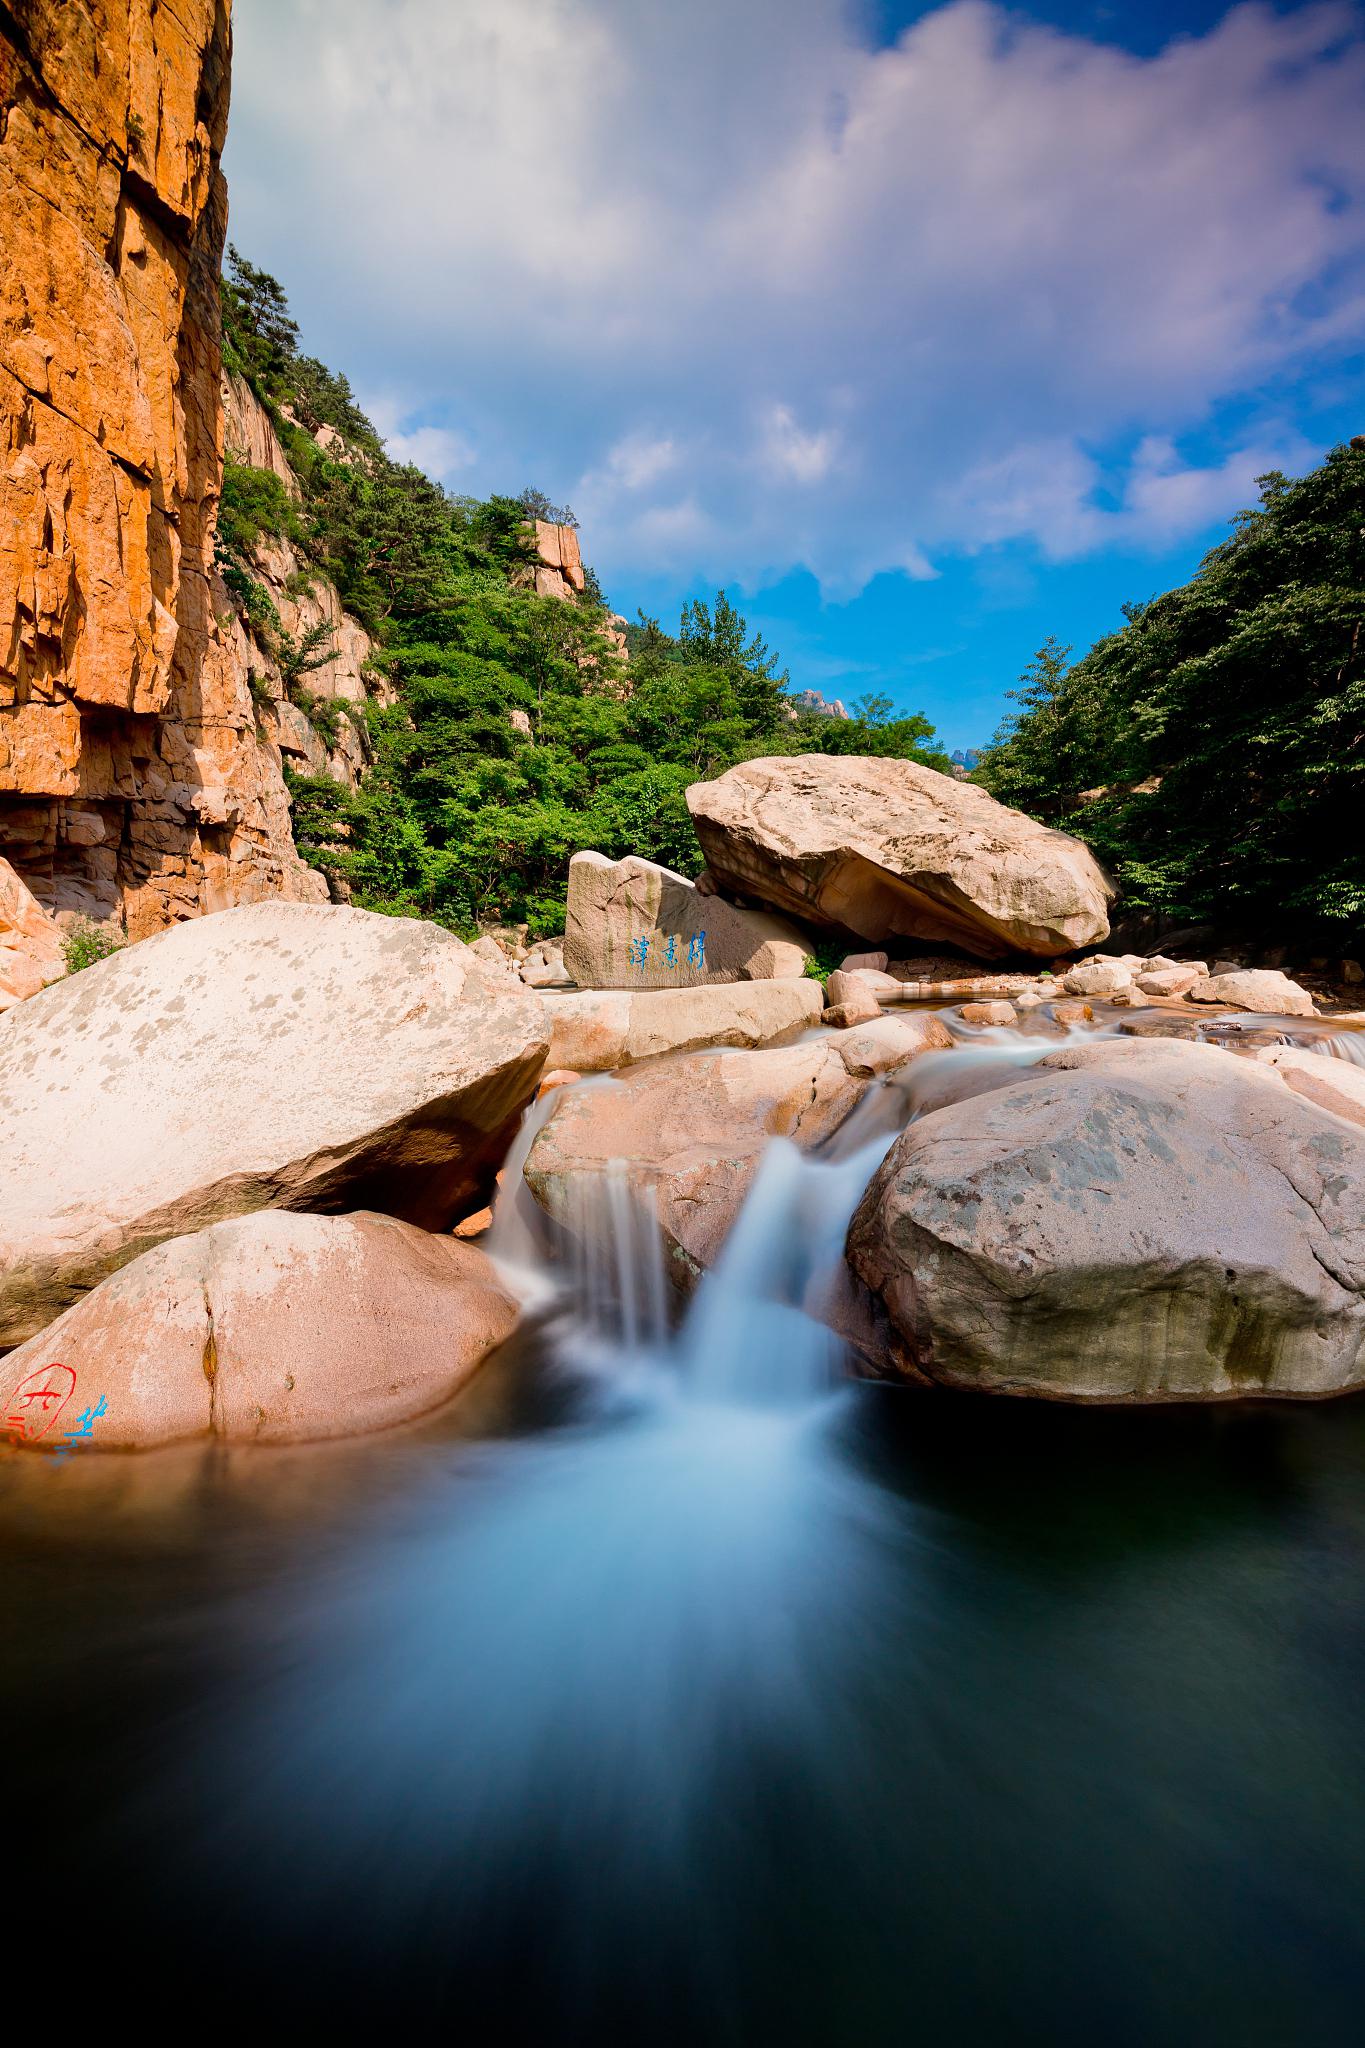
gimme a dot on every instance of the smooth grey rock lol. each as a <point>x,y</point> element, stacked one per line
<point>1133,1220</point>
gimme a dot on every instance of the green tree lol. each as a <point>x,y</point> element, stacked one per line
<point>260,335</point>
<point>1213,750</point>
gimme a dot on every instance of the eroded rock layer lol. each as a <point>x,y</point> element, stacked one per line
<point>133,780</point>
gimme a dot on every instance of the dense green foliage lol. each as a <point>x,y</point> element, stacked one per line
<point>510,734</point>
<point>254,503</point>
<point>1212,752</point>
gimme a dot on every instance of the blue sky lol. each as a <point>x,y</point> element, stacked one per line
<point>929,331</point>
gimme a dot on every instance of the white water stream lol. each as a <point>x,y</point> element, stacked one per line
<point>757,1331</point>
<point>584,1617</point>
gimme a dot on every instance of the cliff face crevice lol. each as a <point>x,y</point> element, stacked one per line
<point>134,782</point>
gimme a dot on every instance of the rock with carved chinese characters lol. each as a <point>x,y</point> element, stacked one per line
<point>890,849</point>
<point>277,1056</point>
<point>274,1328</point>
<point>633,924</point>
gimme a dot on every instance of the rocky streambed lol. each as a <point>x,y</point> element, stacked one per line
<point>237,1152</point>
<point>508,1496</point>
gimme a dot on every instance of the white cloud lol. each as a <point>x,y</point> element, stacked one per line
<point>440,451</point>
<point>894,303</point>
<point>1167,500</point>
<point>635,462</point>
<point>914,563</point>
<point>791,452</point>
<point>1053,493</point>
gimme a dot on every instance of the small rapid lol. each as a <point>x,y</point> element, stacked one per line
<point>760,1327</point>
<point>1341,1045</point>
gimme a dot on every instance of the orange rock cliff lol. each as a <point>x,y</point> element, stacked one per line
<point>135,780</point>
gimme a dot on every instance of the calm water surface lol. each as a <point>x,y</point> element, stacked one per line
<point>888,1717</point>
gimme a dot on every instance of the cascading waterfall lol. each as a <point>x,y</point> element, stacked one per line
<point>605,1628</point>
<point>617,1283</point>
<point>761,1328</point>
<point>581,1616</point>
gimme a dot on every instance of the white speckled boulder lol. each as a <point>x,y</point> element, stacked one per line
<point>281,1055</point>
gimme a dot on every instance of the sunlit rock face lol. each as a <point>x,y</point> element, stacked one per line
<point>132,780</point>
<point>280,1055</point>
<point>30,942</point>
<point>1140,1220</point>
<point>889,849</point>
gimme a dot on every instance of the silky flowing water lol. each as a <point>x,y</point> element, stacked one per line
<point>672,1687</point>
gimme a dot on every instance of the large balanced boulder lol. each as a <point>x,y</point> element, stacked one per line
<point>272,1328</point>
<point>282,1055</point>
<point>889,849</point>
<point>692,1129</point>
<point>1140,1220</point>
<point>598,1029</point>
<point>633,924</point>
